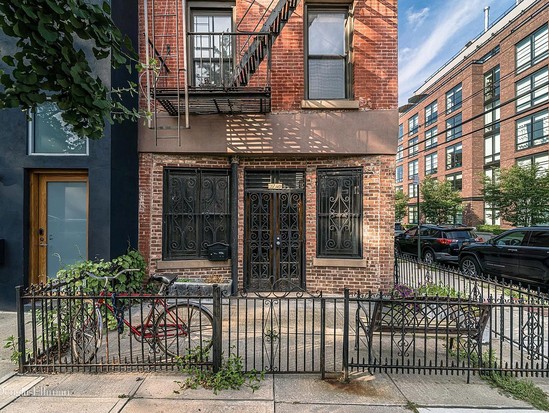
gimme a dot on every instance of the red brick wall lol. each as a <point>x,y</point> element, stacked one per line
<point>374,50</point>
<point>377,270</point>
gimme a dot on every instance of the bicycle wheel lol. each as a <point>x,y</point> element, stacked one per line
<point>183,328</point>
<point>87,332</point>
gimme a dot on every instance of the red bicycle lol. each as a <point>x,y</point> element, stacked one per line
<point>175,329</point>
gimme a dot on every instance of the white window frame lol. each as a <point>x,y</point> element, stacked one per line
<point>30,137</point>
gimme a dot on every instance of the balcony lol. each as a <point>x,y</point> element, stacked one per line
<point>220,68</point>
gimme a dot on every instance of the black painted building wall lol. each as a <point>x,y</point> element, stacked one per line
<point>112,178</point>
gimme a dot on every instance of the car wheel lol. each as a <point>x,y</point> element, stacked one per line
<point>429,257</point>
<point>469,266</point>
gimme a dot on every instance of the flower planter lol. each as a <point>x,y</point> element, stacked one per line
<point>199,288</point>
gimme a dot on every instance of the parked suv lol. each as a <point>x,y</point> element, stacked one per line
<point>438,242</point>
<point>521,254</point>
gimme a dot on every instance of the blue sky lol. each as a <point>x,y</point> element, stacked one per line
<point>431,32</point>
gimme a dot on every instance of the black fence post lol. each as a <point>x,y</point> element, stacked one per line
<point>20,327</point>
<point>346,336</point>
<point>322,338</point>
<point>217,336</point>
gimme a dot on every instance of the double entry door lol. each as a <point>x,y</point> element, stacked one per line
<point>58,222</point>
<point>273,231</point>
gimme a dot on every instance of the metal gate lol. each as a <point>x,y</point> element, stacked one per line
<point>274,233</point>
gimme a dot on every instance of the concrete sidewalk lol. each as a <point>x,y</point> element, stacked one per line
<point>135,393</point>
<point>283,393</point>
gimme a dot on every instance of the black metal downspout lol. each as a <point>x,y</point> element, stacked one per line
<point>234,224</point>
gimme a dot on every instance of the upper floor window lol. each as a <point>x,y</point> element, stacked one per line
<point>195,211</point>
<point>412,214</point>
<point>212,51</point>
<point>453,99</point>
<point>541,160</point>
<point>431,138</point>
<point>454,156</point>
<point>453,127</point>
<point>533,130</point>
<point>532,49</point>
<point>413,124</point>
<point>413,169</point>
<point>413,146</point>
<point>492,148</point>
<point>456,180</point>
<point>339,221</point>
<point>327,53</point>
<point>431,163</point>
<point>400,153</point>
<point>399,173</point>
<point>400,132</point>
<point>412,190</point>
<point>532,90</point>
<point>50,135</point>
<point>431,113</point>
<point>491,84</point>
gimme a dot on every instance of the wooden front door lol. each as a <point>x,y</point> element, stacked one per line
<point>58,222</point>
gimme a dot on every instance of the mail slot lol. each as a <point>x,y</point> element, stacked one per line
<point>218,251</point>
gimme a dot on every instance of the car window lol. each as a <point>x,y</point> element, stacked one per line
<point>411,232</point>
<point>435,233</point>
<point>460,234</point>
<point>539,239</point>
<point>512,239</point>
<point>425,232</point>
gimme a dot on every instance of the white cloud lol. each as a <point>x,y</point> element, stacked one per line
<point>454,17</point>
<point>416,18</point>
<point>405,54</point>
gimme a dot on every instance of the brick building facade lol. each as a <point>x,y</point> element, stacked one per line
<point>485,109</point>
<point>288,157</point>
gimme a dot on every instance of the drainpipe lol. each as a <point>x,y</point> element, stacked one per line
<point>486,18</point>
<point>234,224</point>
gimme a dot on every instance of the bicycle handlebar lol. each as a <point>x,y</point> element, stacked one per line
<point>114,277</point>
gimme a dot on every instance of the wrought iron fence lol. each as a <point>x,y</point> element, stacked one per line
<point>435,321</point>
<point>67,329</point>
<point>440,320</point>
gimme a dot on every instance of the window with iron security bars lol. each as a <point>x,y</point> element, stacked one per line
<point>196,212</point>
<point>339,208</point>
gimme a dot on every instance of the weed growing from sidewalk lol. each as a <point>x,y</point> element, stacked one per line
<point>411,406</point>
<point>524,390</point>
<point>230,376</point>
<point>11,343</point>
<point>510,385</point>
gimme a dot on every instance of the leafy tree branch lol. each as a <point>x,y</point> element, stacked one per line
<point>50,64</point>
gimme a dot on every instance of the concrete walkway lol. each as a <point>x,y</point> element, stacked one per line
<point>284,393</point>
<point>136,393</point>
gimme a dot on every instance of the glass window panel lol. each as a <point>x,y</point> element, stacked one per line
<point>67,224</point>
<point>326,79</point>
<point>51,135</point>
<point>326,33</point>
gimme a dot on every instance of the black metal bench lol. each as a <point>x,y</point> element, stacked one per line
<point>439,317</point>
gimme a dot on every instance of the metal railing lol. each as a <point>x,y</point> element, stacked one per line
<point>435,321</point>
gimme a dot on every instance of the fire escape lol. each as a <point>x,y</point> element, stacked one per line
<point>193,72</point>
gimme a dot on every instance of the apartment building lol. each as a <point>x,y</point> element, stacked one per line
<point>487,108</point>
<point>64,199</point>
<point>269,156</point>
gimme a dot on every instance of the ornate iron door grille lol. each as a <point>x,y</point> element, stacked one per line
<point>273,241</point>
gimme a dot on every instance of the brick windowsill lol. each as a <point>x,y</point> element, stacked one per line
<point>339,262</point>
<point>184,264</point>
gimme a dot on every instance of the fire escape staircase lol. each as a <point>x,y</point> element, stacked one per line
<point>237,95</point>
